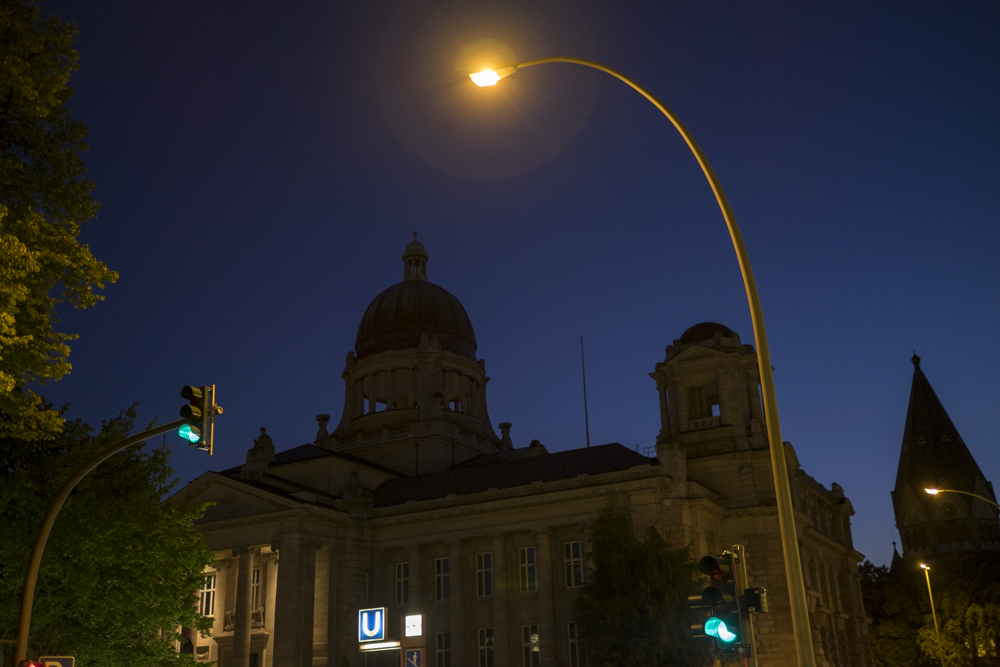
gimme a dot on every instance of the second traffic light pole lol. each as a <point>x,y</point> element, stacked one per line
<point>34,563</point>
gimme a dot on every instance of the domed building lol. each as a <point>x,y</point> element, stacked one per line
<point>412,505</point>
<point>415,392</point>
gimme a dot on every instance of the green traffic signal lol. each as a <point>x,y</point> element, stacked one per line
<point>716,627</point>
<point>189,433</point>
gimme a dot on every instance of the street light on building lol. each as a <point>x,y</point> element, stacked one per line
<point>786,511</point>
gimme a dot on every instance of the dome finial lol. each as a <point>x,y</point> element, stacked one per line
<point>916,360</point>
<point>415,260</point>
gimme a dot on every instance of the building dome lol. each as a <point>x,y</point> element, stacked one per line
<point>399,316</point>
<point>704,331</point>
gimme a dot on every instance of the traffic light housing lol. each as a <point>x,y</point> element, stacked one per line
<point>721,600</point>
<point>200,416</point>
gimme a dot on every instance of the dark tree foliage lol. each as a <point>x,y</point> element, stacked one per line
<point>632,612</point>
<point>966,593</point>
<point>891,602</point>
<point>120,564</point>
<point>44,198</point>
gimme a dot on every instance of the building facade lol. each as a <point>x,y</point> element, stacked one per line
<point>413,502</point>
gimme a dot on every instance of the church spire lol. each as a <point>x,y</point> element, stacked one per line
<point>415,260</point>
<point>933,454</point>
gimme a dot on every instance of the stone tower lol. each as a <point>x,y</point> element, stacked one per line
<point>415,397</point>
<point>710,393</point>
<point>934,455</point>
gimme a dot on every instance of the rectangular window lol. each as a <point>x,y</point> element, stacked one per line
<point>443,649</point>
<point>526,557</point>
<point>529,646</point>
<point>367,589</point>
<point>442,579</point>
<point>402,583</point>
<point>573,559</point>
<point>484,575</point>
<point>206,606</point>
<point>577,652</point>
<point>255,589</point>
<point>486,647</point>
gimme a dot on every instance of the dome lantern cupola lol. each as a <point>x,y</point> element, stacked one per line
<point>415,260</point>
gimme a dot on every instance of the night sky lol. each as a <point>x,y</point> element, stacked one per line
<point>262,165</point>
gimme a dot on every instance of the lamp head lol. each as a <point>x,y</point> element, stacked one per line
<point>932,492</point>
<point>925,566</point>
<point>489,77</point>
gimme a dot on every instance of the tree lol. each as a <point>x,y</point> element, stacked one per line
<point>902,631</point>
<point>970,633</point>
<point>120,564</point>
<point>891,602</point>
<point>632,611</point>
<point>44,198</point>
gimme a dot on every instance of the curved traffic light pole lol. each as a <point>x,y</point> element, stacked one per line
<point>31,578</point>
<point>782,487</point>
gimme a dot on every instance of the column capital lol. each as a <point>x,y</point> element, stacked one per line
<point>243,551</point>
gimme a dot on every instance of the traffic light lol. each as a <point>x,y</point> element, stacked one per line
<point>200,416</point>
<point>721,600</point>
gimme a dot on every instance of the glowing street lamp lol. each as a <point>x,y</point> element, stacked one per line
<point>489,77</point>
<point>927,573</point>
<point>935,491</point>
<point>786,512</point>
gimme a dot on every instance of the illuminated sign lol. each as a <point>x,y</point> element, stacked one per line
<point>414,657</point>
<point>413,626</point>
<point>371,625</point>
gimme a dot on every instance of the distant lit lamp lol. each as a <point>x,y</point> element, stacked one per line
<point>934,492</point>
<point>786,513</point>
<point>927,573</point>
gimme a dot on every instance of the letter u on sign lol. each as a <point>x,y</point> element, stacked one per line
<point>371,624</point>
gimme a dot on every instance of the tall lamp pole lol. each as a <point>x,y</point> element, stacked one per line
<point>782,487</point>
<point>937,633</point>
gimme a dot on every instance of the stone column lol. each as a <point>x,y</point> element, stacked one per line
<point>501,632</point>
<point>293,614</point>
<point>270,568</point>
<point>413,554</point>
<point>333,606</point>
<point>241,618</point>
<point>456,605</point>
<point>546,604</point>
<point>664,411</point>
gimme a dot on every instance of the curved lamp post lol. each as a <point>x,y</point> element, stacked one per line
<point>786,513</point>
<point>934,492</point>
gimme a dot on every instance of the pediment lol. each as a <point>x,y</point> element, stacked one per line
<point>696,353</point>
<point>231,498</point>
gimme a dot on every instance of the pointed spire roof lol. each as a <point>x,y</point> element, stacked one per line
<point>933,453</point>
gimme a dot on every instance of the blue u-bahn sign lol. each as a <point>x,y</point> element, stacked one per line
<point>371,624</point>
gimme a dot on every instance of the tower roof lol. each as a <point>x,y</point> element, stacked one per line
<point>399,316</point>
<point>933,453</point>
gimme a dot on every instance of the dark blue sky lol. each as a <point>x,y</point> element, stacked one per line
<point>261,167</point>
